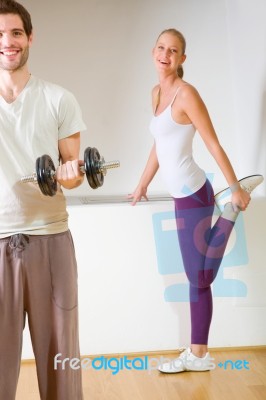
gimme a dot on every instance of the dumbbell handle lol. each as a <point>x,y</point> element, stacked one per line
<point>103,166</point>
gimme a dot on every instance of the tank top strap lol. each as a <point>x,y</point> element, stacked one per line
<point>177,90</point>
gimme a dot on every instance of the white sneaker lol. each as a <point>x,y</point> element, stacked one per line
<point>187,362</point>
<point>249,183</point>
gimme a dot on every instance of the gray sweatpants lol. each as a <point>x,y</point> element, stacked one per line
<point>38,278</point>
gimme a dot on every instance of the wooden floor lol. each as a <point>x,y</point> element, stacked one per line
<point>222,383</point>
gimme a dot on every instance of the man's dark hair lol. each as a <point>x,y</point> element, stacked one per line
<point>13,7</point>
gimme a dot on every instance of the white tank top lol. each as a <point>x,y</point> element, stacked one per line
<point>174,152</point>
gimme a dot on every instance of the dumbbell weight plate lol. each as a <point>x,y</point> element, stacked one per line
<point>39,176</point>
<point>97,175</point>
<point>91,163</point>
<point>45,170</point>
<point>87,165</point>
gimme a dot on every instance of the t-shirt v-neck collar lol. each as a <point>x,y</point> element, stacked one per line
<point>5,104</point>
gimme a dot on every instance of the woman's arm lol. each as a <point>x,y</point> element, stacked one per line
<point>146,178</point>
<point>152,165</point>
<point>195,109</point>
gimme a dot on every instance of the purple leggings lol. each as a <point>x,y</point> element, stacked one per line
<point>202,247</point>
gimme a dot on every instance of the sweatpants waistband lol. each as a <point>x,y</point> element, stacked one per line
<point>20,241</point>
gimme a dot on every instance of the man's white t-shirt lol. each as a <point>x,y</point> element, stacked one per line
<point>31,126</point>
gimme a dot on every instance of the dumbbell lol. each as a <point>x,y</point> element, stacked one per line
<point>94,167</point>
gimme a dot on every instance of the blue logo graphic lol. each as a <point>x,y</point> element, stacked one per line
<point>238,364</point>
<point>170,261</point>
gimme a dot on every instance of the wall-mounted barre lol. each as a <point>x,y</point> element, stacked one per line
<point>112,199</point>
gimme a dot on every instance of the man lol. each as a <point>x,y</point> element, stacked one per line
<point>38,272</point>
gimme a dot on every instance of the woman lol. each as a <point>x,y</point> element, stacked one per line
<point>178,113</point>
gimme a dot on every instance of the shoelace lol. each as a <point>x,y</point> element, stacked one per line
<point>182,349</point>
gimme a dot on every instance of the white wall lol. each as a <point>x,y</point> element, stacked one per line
<point>125,298</point>
<point>101,51</point>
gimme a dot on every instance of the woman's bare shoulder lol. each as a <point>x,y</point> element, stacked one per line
<point>186,89</point>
